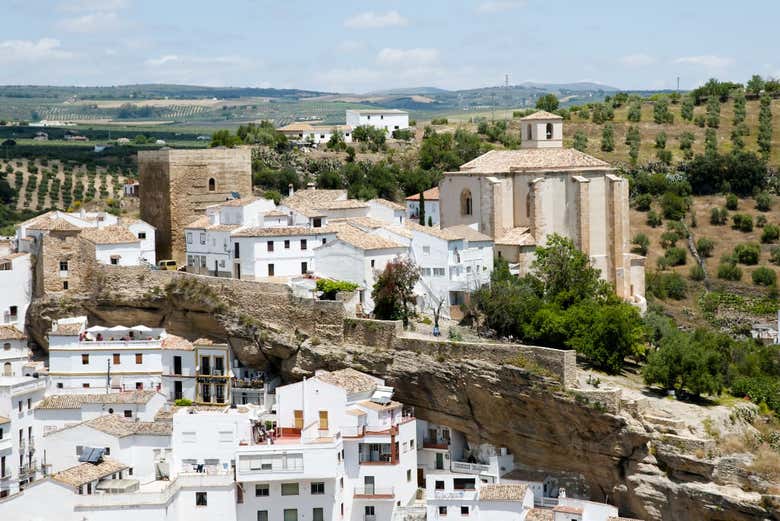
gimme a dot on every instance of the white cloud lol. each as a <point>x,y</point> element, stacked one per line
<point>637,60</point>
<point>75,6</point>
<point>407,57</point>
<point>162,60</point>
<point>45,49</point>
<point>715,62</point>
<point>372,20</point>
<point>90,23</point>
<point>499,6</point>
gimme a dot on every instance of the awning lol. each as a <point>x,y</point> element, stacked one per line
<point>95,329</point>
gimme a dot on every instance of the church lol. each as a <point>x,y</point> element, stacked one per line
<point>519,197</point>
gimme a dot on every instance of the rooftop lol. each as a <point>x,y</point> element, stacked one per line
<point>502,492</point>
<point>531,159</point>
<point>364,241</point>
<point>539,514</point>
<point>431,194</point>
<point>348,379</point>
<point>174,342</point>
<point>52,222</point>
<point>567,509</point>
<point>517,237</point>
<point>389,204</point>
<point>88,472</point>
<point>378,111</point>
<point>374,406</point>
<point>114,234</point>
<point>76,401</point>
<point>121,427</point>
<point>342,205</point>
<point>542,114</point>
<point>11,333</point>
<point>281,231</point>
<point>308,201</point>
<point>453,233</point>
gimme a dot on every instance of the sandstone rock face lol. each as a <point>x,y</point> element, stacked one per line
<point>617,457</point>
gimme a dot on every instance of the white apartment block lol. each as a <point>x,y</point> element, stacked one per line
<point>16,285</point>
<point>385,119</point>
<point>431,205</point>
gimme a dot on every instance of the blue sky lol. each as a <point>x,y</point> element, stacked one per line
<point>348,46</point>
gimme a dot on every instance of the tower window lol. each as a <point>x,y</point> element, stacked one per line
<point>530,133</point>
<point>549,130</point>
<point>212,184</point>
<point>465,203</point>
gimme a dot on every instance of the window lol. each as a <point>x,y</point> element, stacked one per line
<point>317,487</point>
<point>409,475</point>
<point>373,263</point>
<point>64,284</point>
<point>63,265</point>
<point>177,365</point>
<point>189,237</point>
<point>270,270</point>
<point>262,490</point>
<point>202,238</point>
<point>59,385</point>
<point>318,514</point>
<point>116,359</point>
<point>139,358</point>
<point>84,359</point>
<point>303,244</point>
<point>289,489</point>
<point>290,514</point>
<point>549,131</point>
<point>212,184</point>
<point>270,245</point>
<point>529,133</point>
<point>114,260</point>
<point>442,511</point>
<point>324,240</point>
<point>304,268</point>
<point>85,385</point>
<point>317,222</point>
<point>108,450</point>
<point>439,272</point>
<point>262,515</point>
<point>464,511</point>
<point>370,512</point>
<point>236,251</point>
<point>465,202</point>
<point>128,413</point>
<point>287,244</point>
<point>323,420</point>
<point>13,311</point>
<point>139,386</point>
<point>426,250</point>
<point>439,485</point>
<point>201,499</point>
<point>142,235</point>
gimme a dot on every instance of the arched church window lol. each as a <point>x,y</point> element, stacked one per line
<point>465,202</point>
<point>212,184</point>
<point>549,130</point>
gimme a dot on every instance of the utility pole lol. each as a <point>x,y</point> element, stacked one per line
<point>678,84</point>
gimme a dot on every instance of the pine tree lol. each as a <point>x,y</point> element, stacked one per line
<point>422,208</point>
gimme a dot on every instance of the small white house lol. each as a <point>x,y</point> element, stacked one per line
<point>386,211</point>
<point>306,133</point>
<point>385,119</point>
<point>431,199</point>
<point>16,284</point>
<point>14,353</point>
<point>145,233</point>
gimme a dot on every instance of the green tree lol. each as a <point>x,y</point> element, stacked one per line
<point>740,107</point>
<point>763,202</point>
<point>765,127</point>
<point>763,276</point>
<point>223,138</point>
<point>713,112</point>
<point>710,142</point>
<point>686,144</point>
<point>608,138</point>
<point>580,141</point>
<point>393,291</point>
<point>635,112</point>
<point>547,102</point>
<point>686,109</point>
<point>755,85</point>
<point>661,113</point>
<point>682,364</point>
<point>705,246</point>
<point>422,208</point>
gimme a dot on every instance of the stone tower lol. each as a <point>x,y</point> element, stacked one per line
<point>176,186</point>
<point>541,130</point>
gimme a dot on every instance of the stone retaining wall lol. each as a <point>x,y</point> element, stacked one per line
<point>376,333</point>
<point>608,399</point>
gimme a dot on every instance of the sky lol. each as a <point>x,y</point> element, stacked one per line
<point>348,46</point>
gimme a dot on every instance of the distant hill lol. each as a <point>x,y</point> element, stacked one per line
<point>575,87</point>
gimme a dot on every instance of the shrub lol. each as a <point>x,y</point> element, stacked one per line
<point>696,272</point>
<point>667,285</point>
<point>761,221</point>
<point>669,239</point>
<point>774,255</point>
<point>732,202</point>
<point>675,256</point>
<point>747,253</point>
<point>763,202</point>
<point>763,276</point>
<point>642,202</point>
<point>705,246</point>
<point>183,402</point>
<point>329,288</point>
<point>439,121</point>
<point>770,234</point>
<point>742,222</point>
<point>653,219</point>
<point>673,206</point>
<point>729,271</point>
<point>719,216</point>
<point>641,243</point>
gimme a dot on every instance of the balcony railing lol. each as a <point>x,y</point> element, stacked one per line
<point>372,492</point>
<point>469,468</point>
<point>436,444</point>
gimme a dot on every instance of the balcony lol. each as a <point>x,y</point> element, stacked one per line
<point>372,492</point>
<point>436,444</point>
<point>469,468</point>
<point>466,494</point>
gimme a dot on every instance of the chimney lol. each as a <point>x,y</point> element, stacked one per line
<point>311,186</point>
<point>290,189</point>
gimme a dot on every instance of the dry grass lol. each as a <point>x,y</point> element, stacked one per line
<point>766,463</point>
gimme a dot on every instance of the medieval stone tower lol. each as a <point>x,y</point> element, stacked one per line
<point>176,186</point>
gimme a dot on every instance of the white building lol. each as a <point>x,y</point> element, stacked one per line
<point>431,200</point>
<point>16,284</point>
<point>117,245</point>
<point>453,263</point>
<point>342,449</point>
<point>306,133</point>
<point>385,119</point>
<point>14,353</point>
<point>198,371</point>
<point>387,211</point>
<point>19,433</point>
<point>145,233</point>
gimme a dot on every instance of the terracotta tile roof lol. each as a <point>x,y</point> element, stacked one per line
<point>431,194</point>
<point>364,241</point>
<point>467,232</point>
<point>364,222</point>
<point>121,427</point>
<point>503,492</point>
<point>380,407</point>
<point>349,379</point>
<point>297,126</point>
<point>531,159</point>
<point>275,213</point>
<point>50,222</point>
<point>203,342</point>
<point>308,202</point>
<point>539,514</point>
<point>114,234</point>
<point>76,401</point>
<point>566,509</point>
<point>542,114</point>
<point>342,205</point>
<point>3,420</point>
<point>453,233</point>
<point>200,222</point>
<point>356,412</point>
<point>88,472</point>
<point>15,255</point>
<point>11,333</point>
<point>176,343</point>
<point>238,202</point>
<point>517,237</point>
<point>281,231</point>
<point>68,329</point>
<point>389,204</point>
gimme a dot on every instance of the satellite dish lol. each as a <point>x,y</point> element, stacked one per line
<point>235,195</point>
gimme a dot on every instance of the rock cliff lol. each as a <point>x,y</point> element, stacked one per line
<point>617,457</point>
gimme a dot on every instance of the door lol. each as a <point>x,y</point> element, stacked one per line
<point>420,478</point>
<point>368,482</point>
<point>177,365</point>
<point>298,415</point>
<point>439,461</point>
<point>323,420</point>
<point>205,365</point>
<point>177,390</point>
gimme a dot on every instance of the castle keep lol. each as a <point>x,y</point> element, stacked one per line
<point>176,186</point>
